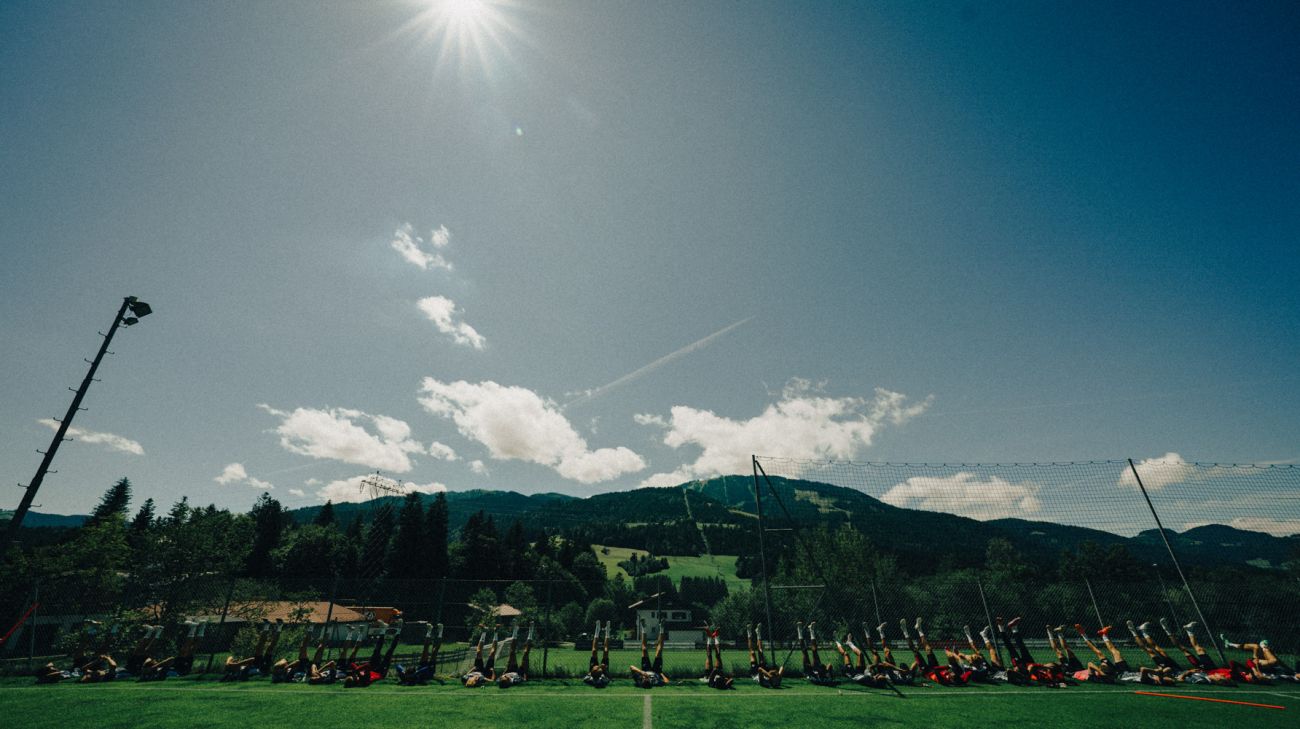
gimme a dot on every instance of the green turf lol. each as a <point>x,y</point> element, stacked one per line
<point>194,703</point>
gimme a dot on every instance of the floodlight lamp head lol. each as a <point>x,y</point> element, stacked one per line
<point>139,308</point>
<point>129,320</point>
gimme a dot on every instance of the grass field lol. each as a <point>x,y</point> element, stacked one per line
<point>718,565</point>
<point>192,703</point>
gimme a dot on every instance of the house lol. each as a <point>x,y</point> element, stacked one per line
<point>658,614</point>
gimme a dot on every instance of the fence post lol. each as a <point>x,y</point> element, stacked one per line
<point>988,615</point>
<point>1093,598</point>
<point>1161,528</point>
<point>36,607</point>
<point>875,601</point>
<point>762,548</point>
<point>230,591</point>
<point>546,626</point>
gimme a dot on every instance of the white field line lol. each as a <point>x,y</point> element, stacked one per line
<point>645,713</point>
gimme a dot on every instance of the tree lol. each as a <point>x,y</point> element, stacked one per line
<point>519,595</point>
<point>268,522</point>
<point>311,551</point>
<point>374,558</point>
<point>113,504</point>
<point>137,534</point>
<point>325,517</point>
<point>407,557</point>
<point>600,609</point>
<point>435,537</point>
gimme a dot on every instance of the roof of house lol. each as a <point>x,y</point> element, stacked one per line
<point>291,612</point>
<point>504,610</point>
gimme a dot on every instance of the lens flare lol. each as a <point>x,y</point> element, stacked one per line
<point>466,33</point>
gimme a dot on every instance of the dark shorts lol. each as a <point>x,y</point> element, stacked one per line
<point>1203,662</point>
<point>1120,667</point>
<point>1165,661</point>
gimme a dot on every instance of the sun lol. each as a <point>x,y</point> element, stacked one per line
<point>465,32</point>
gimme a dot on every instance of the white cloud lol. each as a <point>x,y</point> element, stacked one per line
<point>802,425</point>
<point>518,424</point>
<point>297,492</point>
<point>442,312</point>
<point>411,246</point>
<point>340,434</point>
<point>353,490</point>
<point>312,482</point>
<point>432,487</point>
<point>1267,525</point>
<point>478,467</point>
<point>113,442</point>
<point>347,490</point>
<point>1158,473</point>
<point>442,451</point>
<point>234,473</point>
<point>966,494</point>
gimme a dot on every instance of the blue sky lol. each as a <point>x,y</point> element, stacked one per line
<point>374,239</point>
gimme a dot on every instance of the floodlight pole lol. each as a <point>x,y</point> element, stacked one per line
<point>59,436</point>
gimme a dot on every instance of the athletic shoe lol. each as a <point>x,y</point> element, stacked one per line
<point>1145,627</point>
<point>1059,628</point>
<point>1013,622</point>
<point>881,628</point>
<point>1165,624</point>
<point>917,625</point>
<point>1191,626</point>
<point>1105,631</point>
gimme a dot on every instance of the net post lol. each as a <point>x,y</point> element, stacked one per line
<point>31,635</point>
<point>762,549</point>
<point>1088,583</point>
<point>546,627</point>
<point>987,615</point>
<point>1173,557</point>
<point>875,600</point>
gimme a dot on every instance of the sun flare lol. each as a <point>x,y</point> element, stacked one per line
<point>466,31</point>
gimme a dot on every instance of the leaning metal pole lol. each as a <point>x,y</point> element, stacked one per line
<point>1170,548</point>
<point>762,549</point>
<point>16,521</point>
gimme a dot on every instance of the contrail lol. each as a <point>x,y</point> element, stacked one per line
<point>643,371</point>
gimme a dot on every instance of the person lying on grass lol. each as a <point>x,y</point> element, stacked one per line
<point>374,668</point>
<point>423,671</point>
<point>483,671</point>
<point>1024,670</point>
<point>974,664</point>
<point>180,664</point>
<point>651,673</point>
<point>1263,658</point>
<point>285,670</point>
<point>1203,668</point>
<point>860,673</point>
<point>598,671</point>
<point>516,671</point>
<point>242,669</point>
<point>948,674</point>
<point>816,672</point>
<point>899,674</point>
<point>714,673</point>
<point>763,674</point>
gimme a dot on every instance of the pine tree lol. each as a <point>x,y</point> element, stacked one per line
<point>137,534</point>
<point>113,504</point>
<point>325,517</point>
<point>435,538</point>
<point>407,558</point>
<point>143,518</point>
<point>268,522</point>
<point>374,557</point>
